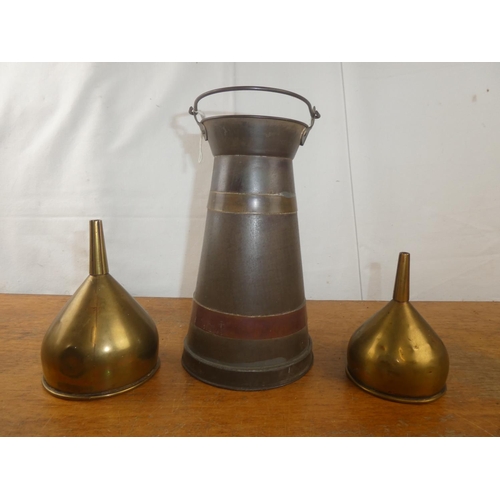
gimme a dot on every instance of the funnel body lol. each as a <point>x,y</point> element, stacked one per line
<point>396,354</point>
<point>248,329</point>
<point>102,342</point>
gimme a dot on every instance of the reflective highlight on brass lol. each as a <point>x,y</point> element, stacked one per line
<point>396,355</point>
<point>248,329</point>
<point>102,342</point>
<point>98,259</point>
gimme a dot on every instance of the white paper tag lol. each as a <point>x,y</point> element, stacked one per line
<point>200,152</point>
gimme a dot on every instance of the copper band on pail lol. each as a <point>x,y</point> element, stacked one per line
<point>248,327</point>
<point>273,204</point>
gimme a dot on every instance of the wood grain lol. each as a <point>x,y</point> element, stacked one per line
<point>323,403</point>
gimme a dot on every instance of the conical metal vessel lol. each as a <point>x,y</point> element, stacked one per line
<point>396,355</point>
<point>248,329</point>
<point>102,342</point>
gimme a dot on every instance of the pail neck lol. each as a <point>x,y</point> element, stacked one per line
<point>254,135</point>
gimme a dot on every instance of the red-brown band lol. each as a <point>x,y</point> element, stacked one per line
<point>248,327</point>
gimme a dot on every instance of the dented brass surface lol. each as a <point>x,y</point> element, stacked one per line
<point>396,354</point>
<point>102,342</point>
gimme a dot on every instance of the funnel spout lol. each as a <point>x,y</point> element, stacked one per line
<point>98,260</point>
<point>402,283</point>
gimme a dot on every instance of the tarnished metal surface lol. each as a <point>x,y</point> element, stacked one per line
<point>252,203</point>
<point>253,175</point>
<point>250,264</point>
<point>102,342</point>
<point>248,329</point>
<point>396,354</point>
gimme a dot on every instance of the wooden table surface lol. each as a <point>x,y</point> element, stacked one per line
<point>323,403</point>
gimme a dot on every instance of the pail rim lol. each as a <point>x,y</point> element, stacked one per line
<point>267,117</point>
<point>193,110</point>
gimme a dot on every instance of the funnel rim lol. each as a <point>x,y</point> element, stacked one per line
<point>103,394</point>
<point>280,118</point>
<point>393,397</point>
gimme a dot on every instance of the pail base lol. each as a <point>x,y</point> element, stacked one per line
<point>257,377</point>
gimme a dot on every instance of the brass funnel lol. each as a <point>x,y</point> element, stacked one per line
<point>395,354</point>
<point>102,342</point>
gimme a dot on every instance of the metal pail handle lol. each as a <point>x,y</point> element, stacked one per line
<point>193,110</point>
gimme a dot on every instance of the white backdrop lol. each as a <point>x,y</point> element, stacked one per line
<point>406,157</point>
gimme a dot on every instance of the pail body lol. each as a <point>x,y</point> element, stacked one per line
<point>248,329</point>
